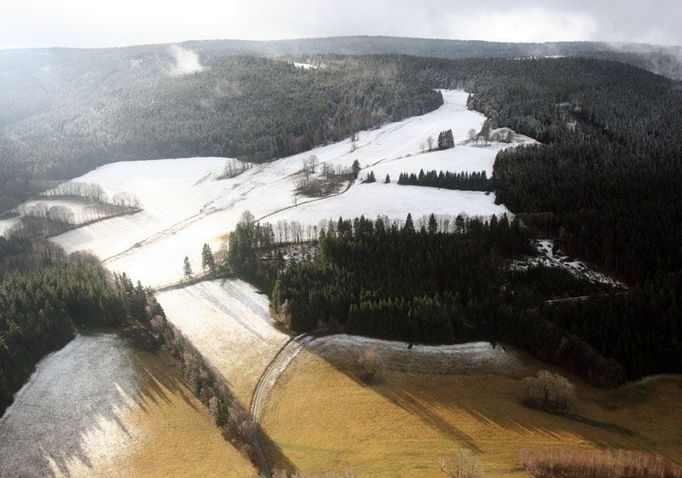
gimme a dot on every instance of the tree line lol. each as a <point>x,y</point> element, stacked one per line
<point>415,282</point>
<point>465,181</point>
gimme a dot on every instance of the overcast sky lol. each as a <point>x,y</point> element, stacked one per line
<point>95,23</point>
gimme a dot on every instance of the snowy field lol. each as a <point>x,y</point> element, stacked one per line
<point>7,224</point>
<point>395,202</point>
<point>185,205</point>
<point>230,323</point>
<point>462,158</point>
<point>99,408</point>
<point>95,378</point>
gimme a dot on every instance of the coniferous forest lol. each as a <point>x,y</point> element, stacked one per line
<point>47,296</point>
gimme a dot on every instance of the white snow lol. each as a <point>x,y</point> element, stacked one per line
<point>305,66</point>
<point>395,202</point>
<point>579,269</point>
<point>230,323</point>
<point>185,206</point>
<point>7,224</point>
<point>462,158</point>
<point>70,416</point>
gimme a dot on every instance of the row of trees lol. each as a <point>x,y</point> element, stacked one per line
<point>474,181</point>
<point>94,193</point>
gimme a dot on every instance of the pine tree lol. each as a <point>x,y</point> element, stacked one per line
<point>446,140</point>
<point>207,259</point>
<point>355,168</point>
<point>387,180</point>
<point>409,224</point>
<point>187,268</point>
<point>433,224</point>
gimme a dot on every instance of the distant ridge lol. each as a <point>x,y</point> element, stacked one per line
<point>663,60</point>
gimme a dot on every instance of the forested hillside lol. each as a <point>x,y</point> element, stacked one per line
<point>46,296</point>
<point>608,176</point>
<point>606,182</point>
<point>83,110</point>
<point>658,59</point>
<point>433,284</point>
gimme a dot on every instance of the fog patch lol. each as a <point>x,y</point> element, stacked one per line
<point>186,61</point>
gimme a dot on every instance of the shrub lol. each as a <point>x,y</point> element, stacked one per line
<point>371,364</point>
<point>549,391</point>
<point>462,464</point>
<point>585,463</point>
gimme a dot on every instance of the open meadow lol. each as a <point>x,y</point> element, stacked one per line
<point>323,418</point>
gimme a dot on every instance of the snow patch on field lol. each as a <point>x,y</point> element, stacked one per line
<point>7,224</point>
<point>229,323</point>
<point>305,66</point>
<point>462,158</point>
<point>67,419</point>
<point>475,357</point>
<point>549,257</point>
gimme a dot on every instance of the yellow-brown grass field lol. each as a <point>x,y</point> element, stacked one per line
<point>323,419</point>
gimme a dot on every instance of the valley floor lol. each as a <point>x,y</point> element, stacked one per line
<point>323,418</point>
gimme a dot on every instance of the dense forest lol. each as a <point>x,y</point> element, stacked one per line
<point>46,296</point>
<point>606,182</point>
<point>397,281</point>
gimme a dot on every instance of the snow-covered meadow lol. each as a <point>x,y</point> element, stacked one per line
<point>7,224</point>
<point>185,204</point>
<point>230,323</point>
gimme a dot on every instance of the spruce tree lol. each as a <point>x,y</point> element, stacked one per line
<point>187,268</point>
<point>433,224</point>
<point>207,259</point>
<point>409,224</point>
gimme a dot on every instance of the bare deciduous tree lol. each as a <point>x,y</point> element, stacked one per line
<point>463,464</point>
<point>549,391</point>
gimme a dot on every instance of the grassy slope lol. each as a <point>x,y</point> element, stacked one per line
<point>401,426</point>
<point>182,438</point>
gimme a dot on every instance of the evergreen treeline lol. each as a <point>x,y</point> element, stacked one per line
<point>391,281</point>
<point>607,177</point>
<point>415,277</point>
<point>474,181</point>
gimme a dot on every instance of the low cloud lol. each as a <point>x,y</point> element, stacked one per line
<point>186,62</point>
